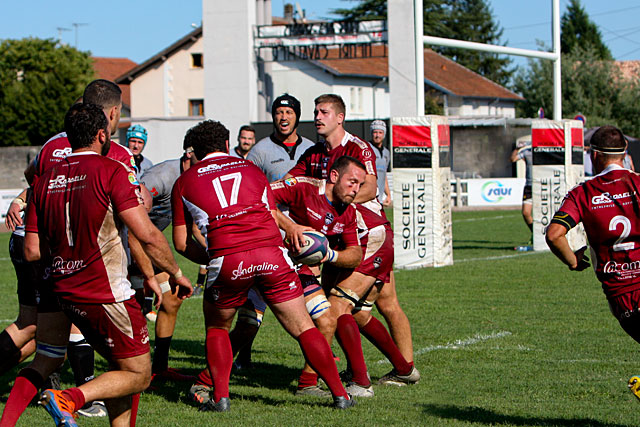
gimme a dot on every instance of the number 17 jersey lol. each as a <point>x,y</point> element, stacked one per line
<point>230,201</point>
<point>609,208</point>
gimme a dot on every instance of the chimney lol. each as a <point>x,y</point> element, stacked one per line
<point>288,11</point>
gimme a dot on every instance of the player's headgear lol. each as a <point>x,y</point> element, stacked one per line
<point>286,100</point>
<point>609,140</point>
<point>379,125</point>
<point>137,131</point>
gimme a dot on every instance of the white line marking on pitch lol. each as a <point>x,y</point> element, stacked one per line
<point>495,257</point>
<point>457,344</point>
<point>7,320</point>
<point>486,218</point>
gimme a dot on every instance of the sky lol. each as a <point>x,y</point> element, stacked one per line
<point>138,29</point>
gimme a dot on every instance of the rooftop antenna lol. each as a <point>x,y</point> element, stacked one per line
<point>60,30</point>
<point>76,25</point>
<point>300,13</point>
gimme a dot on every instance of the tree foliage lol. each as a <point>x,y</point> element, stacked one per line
<point>577,30</point>
<point>469,20</point>
<point>590,86</point>
<point>39,80</point>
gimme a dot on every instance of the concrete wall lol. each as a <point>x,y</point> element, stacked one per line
<point>13,161</point>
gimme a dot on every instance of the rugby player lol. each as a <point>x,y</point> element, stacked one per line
<point>75,211</point>
<point>137,142</point>
<point>607,205</point>
<point>383,158</point>
<point>244,250</point>
<point>523,152</point>
<point>246,140</point>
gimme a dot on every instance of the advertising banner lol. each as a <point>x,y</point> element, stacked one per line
<point>495,192</point>
<point>421,192</point>
<point>557,167</point>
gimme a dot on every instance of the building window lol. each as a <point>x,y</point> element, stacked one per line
<point>196,107</point>
<point>196,60</point>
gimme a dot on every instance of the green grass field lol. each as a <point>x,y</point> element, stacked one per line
<point>501,338</point>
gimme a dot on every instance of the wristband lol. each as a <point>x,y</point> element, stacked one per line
<point>332,256</point>
<point>178,274</point>
<point>20,202</point>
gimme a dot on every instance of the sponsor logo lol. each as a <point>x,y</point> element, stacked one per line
<point>132,179</point>
<point>255,270</point>
<point>377,262</point>
<point>215,294</point>
<point>64,266</point>
<point>290,182</point>
<point>215,167</point>
<point>109,342</point>
<point>61,153</point>
<point>338,228</point>
<point>494,191</point>
<point>277,161</point>
<point>612,267</point>
<point>605,198</point>
<point>133,163</point>
<point>61,181</point>
<point>144,332</point>
<point>366,154</point>
<point>328,218</point>
<point>154,192</point>
<point>292,286</point>
<point>315,215</point>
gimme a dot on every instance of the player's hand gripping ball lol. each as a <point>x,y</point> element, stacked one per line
<point>313,250</point>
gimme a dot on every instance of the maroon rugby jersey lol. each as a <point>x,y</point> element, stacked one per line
<point>74,205</point>
<point>609,208</point>
<point>230,201</point>
<point>58,147</point>
<point>317,160</point>
<point>308,205</point>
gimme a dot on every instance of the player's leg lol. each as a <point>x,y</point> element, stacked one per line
<point>343,298</point>
<point>17,340</point>
<point>527,206</point>
<point>51,339</point>
<point>165,326</point>
<point>250,317</point>
<point>389,307</point>
<point>200,280</point>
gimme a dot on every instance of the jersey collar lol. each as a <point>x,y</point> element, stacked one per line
<point>83,153</point>
<point>611,167</point>
<point>214,155</point>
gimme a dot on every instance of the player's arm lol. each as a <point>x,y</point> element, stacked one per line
<point>514,155</point>
<point>146,197</point>
<point>13,218</point>
<point>30,171</point>
<point>346,258</point>
<point>387,193</point>
<point>368,189</point>
<point>145,266</point>
<point>188,246</point>
<point>155,246</point>
<point>556,236</point>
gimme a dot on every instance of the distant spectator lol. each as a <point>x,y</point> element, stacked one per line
<point>523,152</point>
<point>136,141</point>
<point>246,140</point>
<point>383,158</point>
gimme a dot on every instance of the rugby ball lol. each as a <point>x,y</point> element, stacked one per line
<point>314,248</point>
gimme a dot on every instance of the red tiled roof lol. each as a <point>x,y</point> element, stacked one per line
<point>111,68</point>
<point>439,71</point>
<point>629,69</point>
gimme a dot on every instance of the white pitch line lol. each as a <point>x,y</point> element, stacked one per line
<point>486,218</point>
<point>495,257</point>
<point>7,320</point>
<point>457,344</point>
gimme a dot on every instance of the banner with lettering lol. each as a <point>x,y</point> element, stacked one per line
<point>557,148</point>
<point>421,192</point>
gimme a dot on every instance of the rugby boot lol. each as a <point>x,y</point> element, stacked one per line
<point>355,389</point>
<point>199,393</point>
<point>393,378</point>
<point>634,385</point>
<point>341,402</point>
<point>312,390</point>
<point>223,405</point>
<point>60,408</point>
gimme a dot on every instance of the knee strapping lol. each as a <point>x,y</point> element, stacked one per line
<point>251,317</point>
<point>363,305</point>
<point>347,294</point>
<point>317,306</point>
<point>52,351</point>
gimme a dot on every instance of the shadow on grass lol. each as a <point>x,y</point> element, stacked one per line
<point>488,417</point>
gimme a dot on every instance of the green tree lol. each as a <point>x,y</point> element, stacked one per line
<point>39,80</point>
<point>469,20</point>
<point>577,30</point>
<point>590,86</point>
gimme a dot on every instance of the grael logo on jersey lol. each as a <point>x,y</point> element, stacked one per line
<point>61,181</point>
<point>216,167</point>
<point>133,179</point>
<point>605,198</point>
<point>61,153</point>
<point>254,270</point>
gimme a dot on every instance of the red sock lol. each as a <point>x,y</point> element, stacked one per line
<point>375,332</point>
<point>219,359</point>
<point>317,352</point>
<point>135,402</point>
<point>349,338</point>
<point>75,395</point>
<point>204,378</point>
<point>24,389</point>
<point>307,379</point>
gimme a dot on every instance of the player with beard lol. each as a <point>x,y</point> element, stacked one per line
<point>608,207</point>
<point>246,140</point>
<point>244,250</point>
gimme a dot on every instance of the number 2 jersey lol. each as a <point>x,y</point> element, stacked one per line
<point>609,208</point>
<point>75,205</point>
<point>230,201</point>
